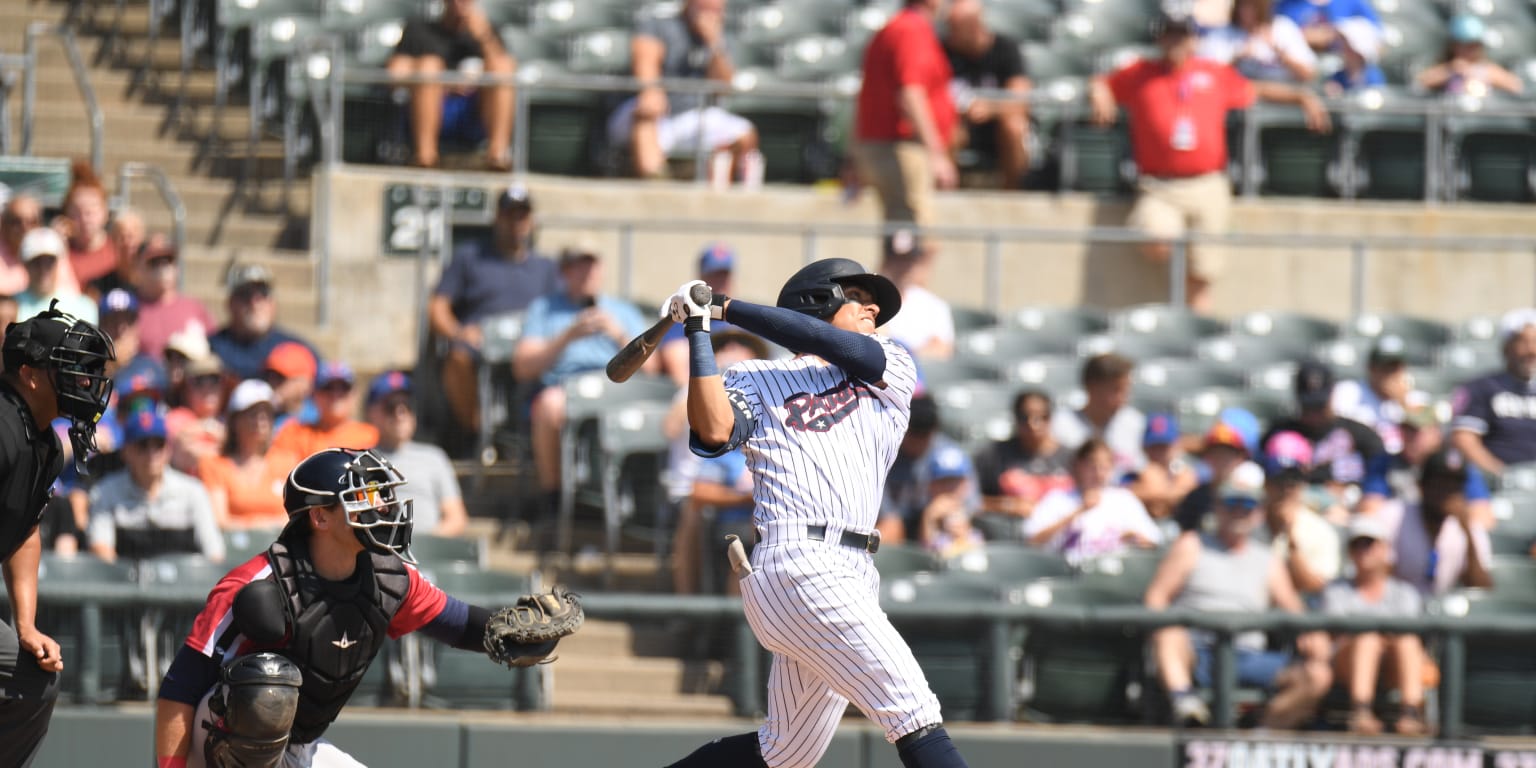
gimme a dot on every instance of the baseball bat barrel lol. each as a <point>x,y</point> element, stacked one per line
<point>639,349</point>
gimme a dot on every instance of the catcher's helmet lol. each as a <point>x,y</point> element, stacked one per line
<point>366,486</point>
<point>817,289</point>
<point>75,354</point>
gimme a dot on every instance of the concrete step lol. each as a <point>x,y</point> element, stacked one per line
<point>651,704</point>
<point>131,119</point>
<point>205,266</point>
<point>599,639</point>
<point>635,676</point>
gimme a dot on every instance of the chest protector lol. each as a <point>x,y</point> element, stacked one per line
<point>338,627</point>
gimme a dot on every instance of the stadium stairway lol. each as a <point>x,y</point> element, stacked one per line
<point>601,672</point>
<point>140,125</point>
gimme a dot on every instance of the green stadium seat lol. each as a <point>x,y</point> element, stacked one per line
<point>454,679</point>
<point>1097,26</point>
<point>565,18</point>
<point>241,545</point>
<point>1408,45</point>
<point>1165,321</point>
<point>1170,376</point>
<point>1245,353</point>
<point>527,47</point>
<point>776,23</point>
<point>816,58</point>
<point>588,396</point>
<point>1001,346</point>
<point>1093,158</point>
<point>1500,671</point>
<point>1136,346</point>
<point>1438,382</point>
<point>1060,321</point>
<point>998,528</point>
<point>1383,150</point>
<point>633,447</point>
<point>353,15</point>
<point>953,653</point>
<point>1470,357</point>
<point>971,318</point>
<point>1046,61</point>
<point>1124,576</point>
<point>1416,331</point>
<point>900,560</point>
<point>1293,160</point>
<point>1074,675</point>
<point>787,128</point>
<point>974,412</point>
<point>1057,375</point>
<point>564,127</point>
<point>119,627</point>
<point>1286,328</point>
<point>437,551</point>
<point>1197,411</point>
<point>1022,19</point>
<point>942,373</point>
<point>599,52</point>
<point>1495,157</point>
<point>1009,564</point>
<point>1478,328</point>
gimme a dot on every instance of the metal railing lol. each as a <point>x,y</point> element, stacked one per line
<point>93,113</point>
<point>129,171</point>
<point>996,647</point>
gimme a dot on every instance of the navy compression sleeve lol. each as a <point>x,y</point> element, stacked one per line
<point>460,625</point>
<point>859,355</point>
<point>190,676</point>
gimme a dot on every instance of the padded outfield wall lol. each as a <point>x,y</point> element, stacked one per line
<point>370,224</point>
<point>380,739</point>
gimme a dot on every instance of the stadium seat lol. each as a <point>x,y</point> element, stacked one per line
<point>952,654</point>
<point>553,19</point>
<point>564,127</point>
<point>1009,563</point>
<point>349,15</point>
<point>633,449</point>
<point>937,374</point>
<point>1165,321</point>
<point>1046,61</point>
<point>1197,411</point>
<point>588,396</point>
<point>1097,26</point>
<point>1384,150</point>
<point>453,679</point>
<point>439,551</point>
<point>816,58</point>
<point>66,626</point>
<point>1172,376</point>
<point>1136,346</point>
<point>998,528</point>
<point>1124,576</point>
<point>164,630</point>
<point>779,22</point>
<point>1244,353</point>
<point>528,47</point>
<point>1494,157</point>
<point>1001,346</point>
<point>599,52</point>
<point>1288,329</point>
<point>1078,675</point>
<point>1092,158</point>
<point>1418,332</point>
<point>1515,511</point>
<point>899,560</point>
<point>1065,322</point>
<point>1471,358</point>
<point>787,128</point>
<point>1276,380</point>
<point>970,412</point>
<point>1478,328</point>
<point>971,318</point>
<point>1437,382</point>
<point>1022,19</point>
<point>241,545</point>
<point>1500,671</point>
<point>1293,160</point>
<point>1057,376</point>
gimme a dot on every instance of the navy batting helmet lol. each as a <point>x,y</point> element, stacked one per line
<point>817,289</point>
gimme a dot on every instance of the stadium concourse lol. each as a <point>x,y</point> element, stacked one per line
<point>1365,348</point>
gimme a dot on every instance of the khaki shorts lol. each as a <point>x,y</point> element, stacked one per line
<point>899,172</point>
<point>1166,208</point>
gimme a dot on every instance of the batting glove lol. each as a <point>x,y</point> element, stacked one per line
<point>682,305</point>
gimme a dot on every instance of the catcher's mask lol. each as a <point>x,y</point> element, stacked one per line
<point>75,353</point>
<point>366,486</point>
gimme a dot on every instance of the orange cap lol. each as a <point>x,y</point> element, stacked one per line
<point>292,360</point>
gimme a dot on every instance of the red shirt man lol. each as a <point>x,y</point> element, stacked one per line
<point>906,117</point>
<point>1179,114</point>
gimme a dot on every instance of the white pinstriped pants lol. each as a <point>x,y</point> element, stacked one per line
<point>816,606</point>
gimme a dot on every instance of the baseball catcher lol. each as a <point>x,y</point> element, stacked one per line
<point>287,636</point>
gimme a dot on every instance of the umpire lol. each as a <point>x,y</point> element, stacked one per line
<point>55,366</point>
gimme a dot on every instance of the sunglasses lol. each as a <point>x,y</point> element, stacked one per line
<point>1360,544</point>
<point>205,380</point>
<point>150,444</point>
<point>1240,504</point>
<point>1034,418</point>
<point>337,388</point>
<point>252,292</point>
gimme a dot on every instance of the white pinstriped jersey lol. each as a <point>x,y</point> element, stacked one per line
<point>823,441</point>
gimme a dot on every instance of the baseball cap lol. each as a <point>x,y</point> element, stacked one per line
<point>1388,350</point>
<point>1446,464</point>
<point>515,196</point>
<point>1235,428</point>
<point>190,342</point>
<point>42,241</point>
<point>144,425</point>
<point>1368,527</point>
<point>1314,384</point>
<point>1287,453</point>
<point>334,371</point>
<point>716,257</point>
<point>249,394</point>
<point>924,418</point>
<point>1162,429</point>
<point>241,275</point>
<point>1361,35</point>
<point>1512,323</point>
<point>1421,416</point>
<point>947,462</point>
<point>141,376</point>
<point>1466,28</point>
<point>388,384</point>
<point>752,341</point>
<point>292,360</point>
<point>902,244</point>
<point>1174,17</point>
<point>119,300</point>
<point>1245,483</point>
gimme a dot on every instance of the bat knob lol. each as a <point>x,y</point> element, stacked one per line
<point>701,294</point>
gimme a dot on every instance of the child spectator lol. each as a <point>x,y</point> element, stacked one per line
<point>1465,68</point>
<point>1167,476</point>
<point>1095,518</point>
<point>1358,45</point>
<point>946,529</point>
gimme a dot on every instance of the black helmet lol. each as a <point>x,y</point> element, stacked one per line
<point>366,486</point>
<point>75,353</point>
<point>817,289</point>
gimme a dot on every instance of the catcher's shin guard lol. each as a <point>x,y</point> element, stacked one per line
<point>253,706</point>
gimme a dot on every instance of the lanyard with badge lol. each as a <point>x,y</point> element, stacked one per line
<point>1183,138</point>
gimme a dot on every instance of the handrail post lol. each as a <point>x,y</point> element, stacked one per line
<point>520,117</point>
<point>90,651</point>
<point>1453,684</point>
<point>332,127</point>
<point>1225,679</point>
<point>29,88</point>
<point>87,93</point>
<point>809,245</point>
<point>994,272</point>
<point>1178,271</point>
<point>744,691</point>
<point>1250,159</point>
<point>627,260</point>
<point>1357,266</point>
<point>1000,674</point>
<point>1433,160</point>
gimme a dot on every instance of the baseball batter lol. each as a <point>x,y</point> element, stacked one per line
<point>819,433</point>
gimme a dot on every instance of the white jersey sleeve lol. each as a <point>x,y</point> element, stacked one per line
<point>900,377</point>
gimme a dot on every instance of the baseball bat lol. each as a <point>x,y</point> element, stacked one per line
<point>639,349</point>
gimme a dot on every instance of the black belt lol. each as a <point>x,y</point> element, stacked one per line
<point>869,542</point>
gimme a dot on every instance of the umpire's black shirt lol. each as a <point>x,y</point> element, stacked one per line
<point>30,460</point>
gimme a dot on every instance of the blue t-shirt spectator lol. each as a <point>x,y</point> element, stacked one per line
<point>730,471</point>
<point>481,282</point>
<point>1370,76</point>
<point>247,359</point>
<point>1309,12</point>
<point>549,316</point>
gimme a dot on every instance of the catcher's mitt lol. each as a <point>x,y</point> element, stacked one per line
<point>525,633</point>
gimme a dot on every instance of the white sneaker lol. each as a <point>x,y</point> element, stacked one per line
<point>1190,710</point>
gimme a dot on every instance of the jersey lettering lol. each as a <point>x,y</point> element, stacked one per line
<point>823,411</point>
<point>1509,405</point>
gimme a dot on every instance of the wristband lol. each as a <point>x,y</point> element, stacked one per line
<point>171,762</point>
<point>701,350</point>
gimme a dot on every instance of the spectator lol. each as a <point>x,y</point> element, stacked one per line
<point>1359,659</point>
<point>21,214</point>
<point>906,484</point>
<point>1227,571</point>
<point>92,254</point>
<point>486,278</point>
<point>946,521</point>
<point>149,509</point>
<point>925,324</point>
<point>1495,422</point>
<point>693,45</point>
<point>1422,438</point>
<point>725,483</point>
<point>1016,473</point>
<point>182,351</point>
<point>1167,477</point>
<point>1348,459</point>
<point>334,426</point>
<point>716,264</point>
<point>1320,19</point>
<point>982,58</point>
<point>163,309</point>
<point>1465,68</point>
<point>1299,537</point>
<point>437,503</point>
<point>119,316</point>
<point>245,478</point>
<point>41,251</point>
<point>1438,546</point>
<point>1382,399</point>
<point>1095,518</point>
<point>1178,112</point>
<point>905,120</point>
<point>1261,45</point>
<point>291,370</point>
<point>1107,414</point>
<point>463,40</point>
<point>9,312</point>
<point>196,425</point>
<point>127,234</point>
<point>1229,444</point>
<point>249,337</point>
<point>1358,47</point>
<point>568,332</point>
